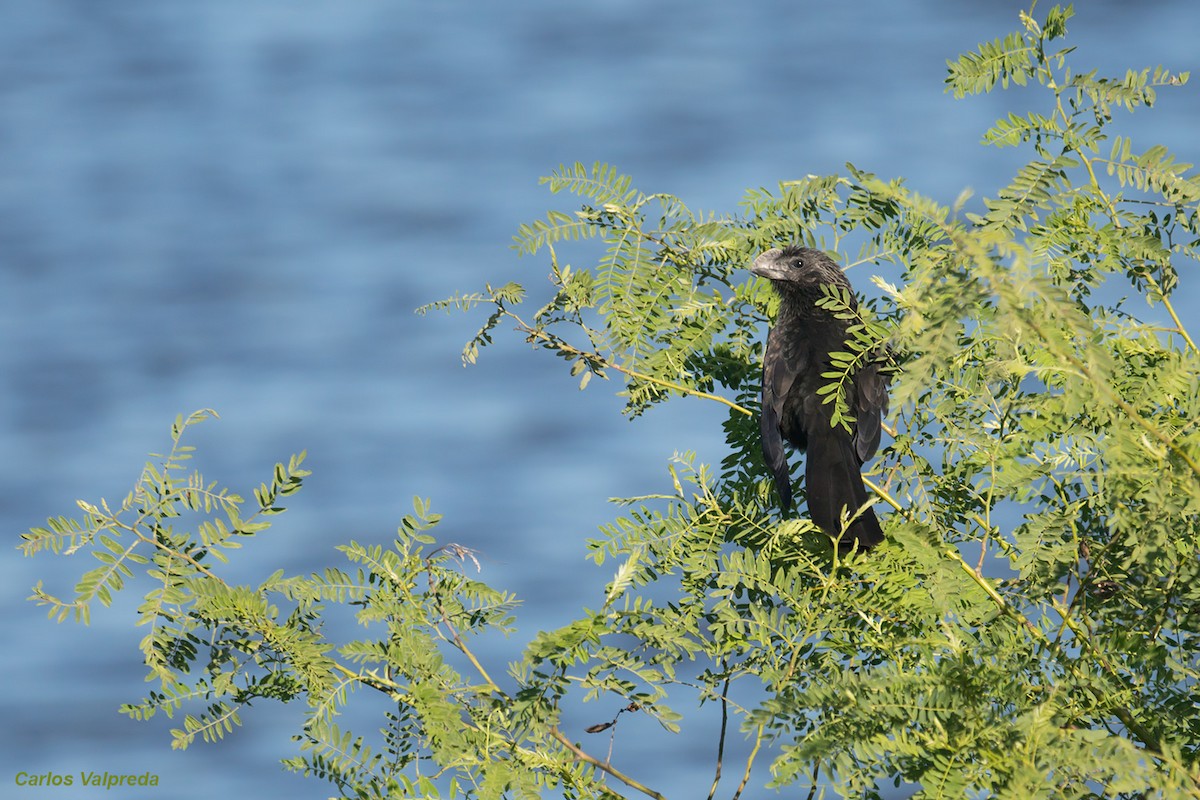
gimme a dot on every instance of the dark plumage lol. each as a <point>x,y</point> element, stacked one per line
<point>798,349</point>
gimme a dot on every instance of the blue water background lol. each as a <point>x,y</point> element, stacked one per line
<point>238,205</point>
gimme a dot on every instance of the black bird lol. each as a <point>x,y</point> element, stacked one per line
<point>798,348</point>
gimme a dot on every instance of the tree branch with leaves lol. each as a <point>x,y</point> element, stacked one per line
<point>1030,629</point>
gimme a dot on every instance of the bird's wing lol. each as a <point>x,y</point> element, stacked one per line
<point>780,368</point>
<point>786,358</point>
<point>870,404</point>
<point>774,455</point>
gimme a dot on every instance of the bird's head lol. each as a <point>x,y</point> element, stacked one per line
<point>797,266</point>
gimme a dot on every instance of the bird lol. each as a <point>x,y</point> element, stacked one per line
<point>798,349</point>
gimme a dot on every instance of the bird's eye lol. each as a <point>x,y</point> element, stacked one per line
<point>798,263</point>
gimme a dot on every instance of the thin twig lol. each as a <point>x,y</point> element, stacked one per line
<point>434,586</point>
<point>749,763</point>
<point>608,768</point>
<point>721,741</point>
<point>559,344</point>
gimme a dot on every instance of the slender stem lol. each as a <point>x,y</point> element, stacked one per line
<point>721,741</point>
<point>595,357</point>
<point>560,345</point>
<point>608,768</point>
<point>1179,327</point>
<point>434,587</point>
<point>178,554</point>
<point>749,763</point>
<point>377,682</point>
<point>1111,206</point>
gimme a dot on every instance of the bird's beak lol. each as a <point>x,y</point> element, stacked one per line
<point>767,267</point>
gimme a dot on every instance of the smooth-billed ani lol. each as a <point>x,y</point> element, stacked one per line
<point>798,348</point>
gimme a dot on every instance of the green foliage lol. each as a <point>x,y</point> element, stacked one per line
<point>1030,629</point>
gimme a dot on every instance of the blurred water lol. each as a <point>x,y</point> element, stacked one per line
<point>239,204</point>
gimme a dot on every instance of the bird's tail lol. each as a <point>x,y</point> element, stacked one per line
<point>835,487</point>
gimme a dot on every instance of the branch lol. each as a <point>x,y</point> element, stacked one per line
<point>1075,361</point>
<point>1162,298</point>
<point>721,741</point>
<point>558,344</point>
<point>434,587</point>
<point>758,737</point>
<point>621,776</point>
